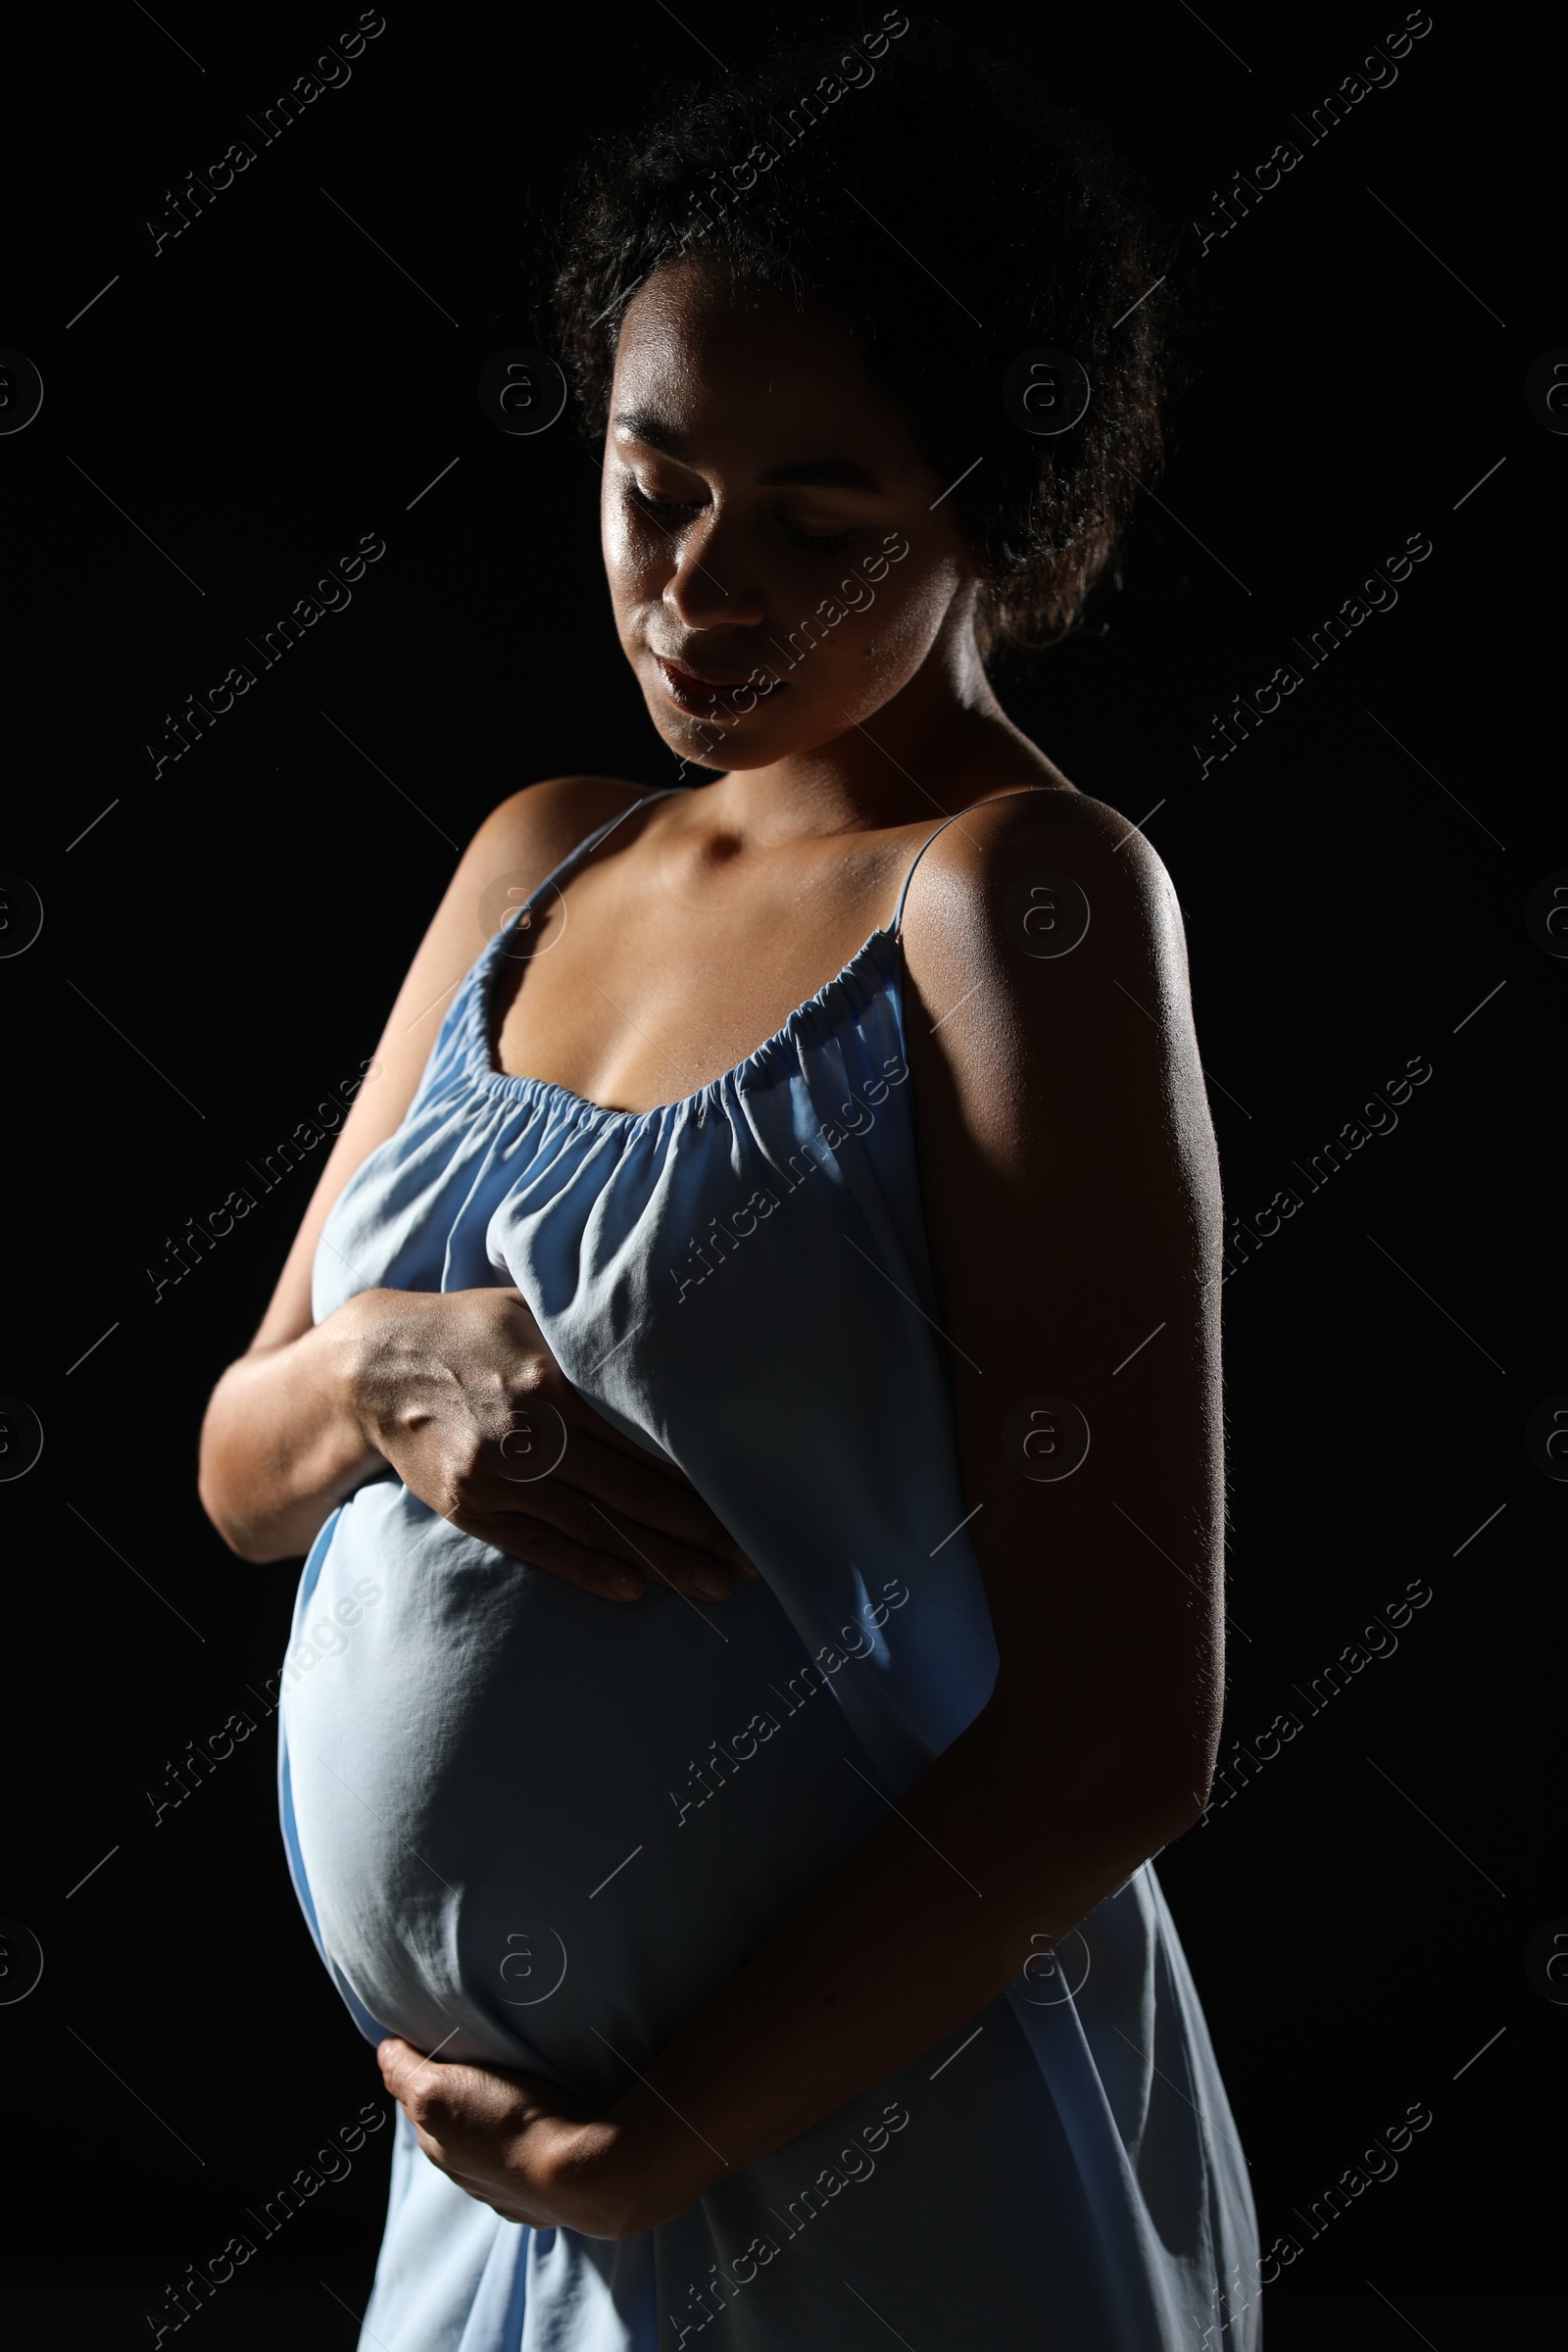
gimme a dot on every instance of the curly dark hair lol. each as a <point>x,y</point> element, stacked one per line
<point>927,191</point>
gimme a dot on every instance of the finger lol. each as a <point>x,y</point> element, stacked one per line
<point>535,1541</point>
<point>643,1493</point>
<point>582,1520</point>
<point>401,2066</point>
<point>448,2099</point>
<point>627,1478</point>
<point>699,1579</point>
<point>575,1514</point>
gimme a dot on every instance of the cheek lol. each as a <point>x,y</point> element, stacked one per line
<point>636,567</point>
<point>903,621</point>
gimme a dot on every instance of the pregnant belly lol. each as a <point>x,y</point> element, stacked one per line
<point>539,1828</point>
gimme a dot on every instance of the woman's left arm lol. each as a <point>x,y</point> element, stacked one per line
<point>1071,1191</point>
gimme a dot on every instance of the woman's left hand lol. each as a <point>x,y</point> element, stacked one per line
<point>524,2147</point>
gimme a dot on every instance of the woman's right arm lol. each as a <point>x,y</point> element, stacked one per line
<point>429,1382</point>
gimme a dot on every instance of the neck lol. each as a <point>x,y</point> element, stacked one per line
<point>899,767</point>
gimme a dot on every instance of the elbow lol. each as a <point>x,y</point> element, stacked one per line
<point>214,1492</point>
<point>1158,1795</point>
<point>239,1539</point>
<point>1173,1811</point>
<point>1176,1780</point>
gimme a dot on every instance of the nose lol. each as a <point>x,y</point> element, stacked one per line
<point>713,585</point>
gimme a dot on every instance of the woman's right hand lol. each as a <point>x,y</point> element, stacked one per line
<point>460,1392</point>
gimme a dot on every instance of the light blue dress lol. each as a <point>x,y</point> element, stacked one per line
<point>536,1828</point>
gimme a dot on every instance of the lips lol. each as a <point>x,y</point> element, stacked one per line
<point>700,689</point>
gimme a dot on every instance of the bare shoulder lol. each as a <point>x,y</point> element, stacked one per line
<point>533,830</point>
<point>1044,948</point>
<point>508,856</point>
<point>1016,860</point>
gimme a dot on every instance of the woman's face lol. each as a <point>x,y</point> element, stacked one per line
<point>777,560</point>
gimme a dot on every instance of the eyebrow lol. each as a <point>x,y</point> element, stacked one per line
<point>816,474</point>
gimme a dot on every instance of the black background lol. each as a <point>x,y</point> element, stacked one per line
<point>221,946</point>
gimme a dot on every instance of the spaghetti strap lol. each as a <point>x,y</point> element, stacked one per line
<point>897,916</point>
<point>591,843</point>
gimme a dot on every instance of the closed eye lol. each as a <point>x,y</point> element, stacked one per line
<point>669,514</point>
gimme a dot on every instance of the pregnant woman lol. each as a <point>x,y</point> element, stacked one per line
<point>747,1379</point>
